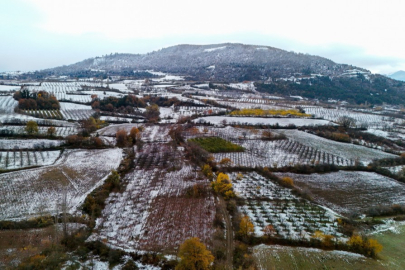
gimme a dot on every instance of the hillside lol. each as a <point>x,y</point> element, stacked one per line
<point>399,75</point>
<point>276,71</point>
<point>230,62</point>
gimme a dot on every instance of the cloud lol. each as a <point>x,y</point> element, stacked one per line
<point>363,33</point>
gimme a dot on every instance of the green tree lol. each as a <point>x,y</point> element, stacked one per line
<point>31,127</point>
<point>194,255</point>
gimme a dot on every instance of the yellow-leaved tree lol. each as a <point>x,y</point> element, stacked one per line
<point>194,255</point>
<point>223,186</point>
<point>246,227</point>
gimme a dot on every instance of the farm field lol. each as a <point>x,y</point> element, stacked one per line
<point>287,258</point>
<point>60,131</point>
<point>10,88</point>
<point>350,191</point>
<point>151,133</point>
<point>164,195</point>
<point>10,144</point>
<point>280,153</point>
<point>32,192</point>
<point>217,120</point>
<point>393,241</point>
<point>344,150</point>
<point>16,245</point>
<point>20,159</point>
<point>268,203</point>
<point>369,120</point>
<point>154,211</point>
<point>7,104</point>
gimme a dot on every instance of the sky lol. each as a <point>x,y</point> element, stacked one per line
<point>39,34</point>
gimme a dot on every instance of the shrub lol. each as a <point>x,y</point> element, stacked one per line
<point>287,181</point>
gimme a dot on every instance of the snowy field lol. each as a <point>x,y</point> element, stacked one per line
<point>270,204</point>
<point>115,119</point>
<point>32,192</point>
<point>153,212</point>
<point>150,134</point>
<point>392,135</point>
<point>280,153</point>
<point>7,104</point>
<point>349,192</point>
<point>66,106</point>
<point>10,88</point>
<point>120,86</point>
<point>10,144</point>
<point>217,120</point>
<point>10,160</point>
<point>370,120</point>
<point>344,150</point>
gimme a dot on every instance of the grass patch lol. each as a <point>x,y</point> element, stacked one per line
<point>284,257</point>
<point>392,255</point>
<point>217,145</point>
<point>261,112</point>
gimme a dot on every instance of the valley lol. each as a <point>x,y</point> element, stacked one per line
<point>122,170</point>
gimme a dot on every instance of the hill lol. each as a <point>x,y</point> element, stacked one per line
<point>399,75</point>
<point>228,61</point>
<point>275,70</point>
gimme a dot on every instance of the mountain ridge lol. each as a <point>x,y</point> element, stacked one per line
<point>231,60</point>
<point>399,75</point>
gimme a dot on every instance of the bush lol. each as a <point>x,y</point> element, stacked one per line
<point>287,181</point>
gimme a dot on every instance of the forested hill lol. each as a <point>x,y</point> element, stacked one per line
<point>274,70</point>
<point>226,62</point>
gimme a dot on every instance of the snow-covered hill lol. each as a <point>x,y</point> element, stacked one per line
<point>228,61</point>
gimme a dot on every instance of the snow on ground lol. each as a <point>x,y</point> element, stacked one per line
<point>351,191</point>
<point>202,85</point>
<point>270,204</point>
<point>73,106</point>
<point>28,193</point>
<point>279,153</point>
<point>217,120</point>
<point>395,169</point>
<point>102,94</point>
<point>77,114</point>
<point>75,111</point>
<point>60,131</point>
<point>344,150</point>
<point>214,49</point>
<point>120,86</point>
<point>111,130</point>
<point>96,264</point>
<point>15,144</point>
<point>370,120</point>
<point>243,86</point>
<point>22,159</point>
<point>151,133</point>
<point>10,88</point>
<point>7,104</point>
<point>392,135</point>
<point>153,212</point>
<point>115,119</point>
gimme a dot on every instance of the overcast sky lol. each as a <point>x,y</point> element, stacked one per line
<point>38,34</point>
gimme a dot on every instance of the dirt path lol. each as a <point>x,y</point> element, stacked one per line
<point>229,234</point>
